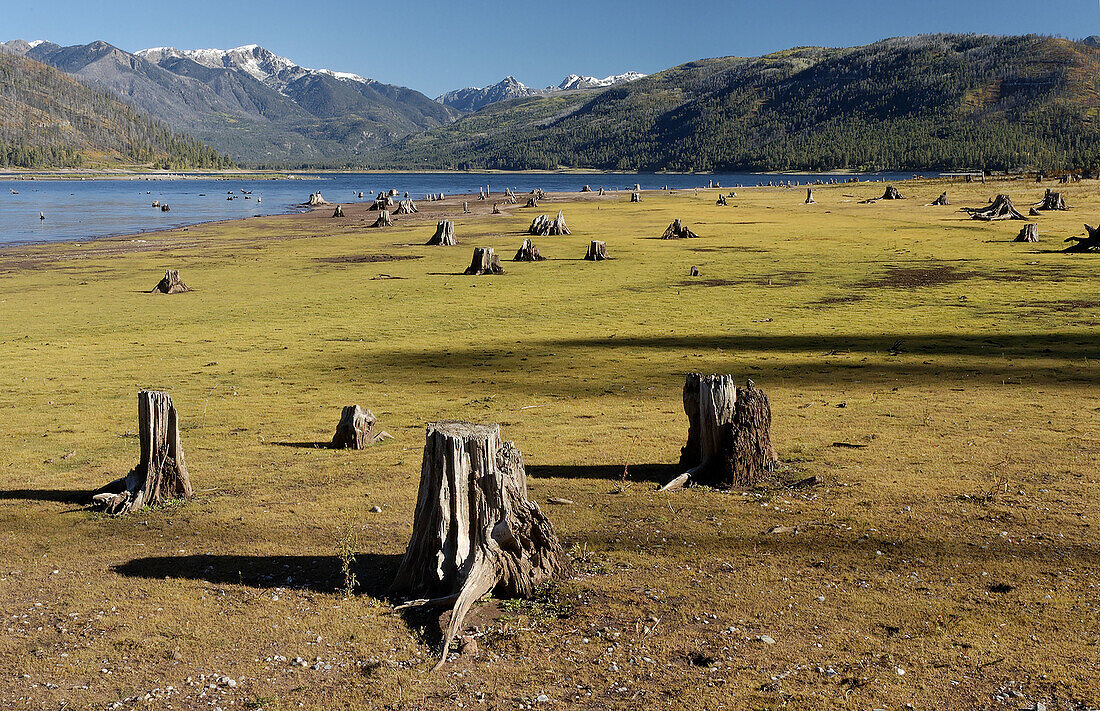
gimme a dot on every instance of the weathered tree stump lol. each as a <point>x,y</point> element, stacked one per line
<point>384,219</point>
<point>406,207</point>
<point>544,226</point>
<point>528,252</point>
<point>810,197</point>
<point>161,474</point>
<point>1000,209</point>
<point>1085,244</point>
<point>1034,213</point>
<point>360,194</point>
<point>474,529</point>
<point>601,193</point>
<point>170,284</point>
<point>444,234</point>
<point>356,429</point>
<point>635,196</point>
<point>338,212</point>
<point>729,434</point>
<point>586,189</point>
<point>597,251</point>
<point>532,202</point>
<point>465,208</point>
<point>165,208</point>
<point>510,197</point>
<point>677,231</point>
<point>382,202</point>
<point>485,261</point>
<point>539,194</point>
<point>941,200</point>
<point>496,208</point>
<point>1051,201</point>
<point>316,199</point>
<point>892,194</point>
<point>721,200</point>
<point>694,271</point>
<point>1030,233</point>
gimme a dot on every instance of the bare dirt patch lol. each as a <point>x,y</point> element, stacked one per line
<point>916,277</point>
<point>367,258</point>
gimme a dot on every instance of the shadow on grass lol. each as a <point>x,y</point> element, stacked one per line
<point>64,496</point>
<point>305,445</point>
<point>655,473</point>
<point>373,571</point>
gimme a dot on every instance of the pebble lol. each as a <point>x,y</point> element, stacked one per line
<point>766,639</point>
<point>376,509</point>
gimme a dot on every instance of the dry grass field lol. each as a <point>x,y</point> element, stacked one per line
<point>940,379</point>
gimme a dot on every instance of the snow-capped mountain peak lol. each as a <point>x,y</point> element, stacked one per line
<point>579,81</point>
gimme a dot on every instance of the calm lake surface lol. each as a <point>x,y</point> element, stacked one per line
<point>87,209</point>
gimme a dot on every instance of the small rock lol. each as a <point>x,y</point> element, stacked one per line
<point>766,639</point>
<point>469,645</point>
<point>376,509</point>
<point>542,699</point>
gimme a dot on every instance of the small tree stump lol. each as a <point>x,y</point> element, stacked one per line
<point>1000,208</point>
<point>597,252</point>
<point>360,194</point>
<point>528,252</point>
<point>382,202</point>
<point>474,529</point>
<point>316,199</point>
<point>510,197</point>
<point>485,261</point>
<point>694,271</point>
<point>161,474</point>
<point>677,231</point>
<point>1030,233</point>
<point>406,207</point>
<point>539,194</point>
<point>165,208</point>
<point>635,196</point>
<point>941,200</point>
<point>170,284</point>
<point>356,429</point>
<point>496,208</point>
<point>1085,244</point>
<point>384,219</point>
<point>892,194</point>
<point>810,197</point>
<point>722,200</point>
<point>601,193</point>
<point>532,202</point>
<point>729,434</point>
<point>1051,201</point>
<point>444,234</point>
<point>586,189</point>
<point>338,212</point>
<point>465,208</point>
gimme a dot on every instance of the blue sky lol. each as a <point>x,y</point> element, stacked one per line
<point>434,46</point>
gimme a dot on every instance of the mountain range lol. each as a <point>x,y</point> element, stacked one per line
<point>475,99</point>
<point>922,103</point>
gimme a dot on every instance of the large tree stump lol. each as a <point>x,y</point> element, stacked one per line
<point>338,212</point>
<point>892,194</point>
<point>586,189</point>
<point>528,252</point>
<point>677,231</point>
<point>474,529</point>
<point>356,429</point>
<point>597,251</point>
<point>406,207</point>
<point>1051,201</point>
<point>384,219</point>
<point>444,234</point>
<point>382,202</point>
<point>170,284</point>
<point>941,200</point>
<point>1000,209</point>
<point>316,199</point>
<point>543,226</point>
<point>1030,233</point>
<point>1085,244</point>
<point>729,434</point>
<point>810,197</point>
<point>485,261</point>
<point>532,202</point>
<point>635,196</point>
<point>161,474</point>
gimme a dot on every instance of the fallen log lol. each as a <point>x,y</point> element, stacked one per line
<point>474,529</point>
<point>729,434</point>
<point>161,474</point>
<point>1085,244</point>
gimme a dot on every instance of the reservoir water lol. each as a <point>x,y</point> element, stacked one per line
<point>87,209</point>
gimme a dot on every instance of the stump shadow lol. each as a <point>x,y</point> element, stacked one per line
<point>373,571</point>
<point>327,444</point>
<point>655,473</point>
<point>63,496</point>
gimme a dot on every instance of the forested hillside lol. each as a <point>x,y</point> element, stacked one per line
<point>915,103</point>
<point>47,120</point>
